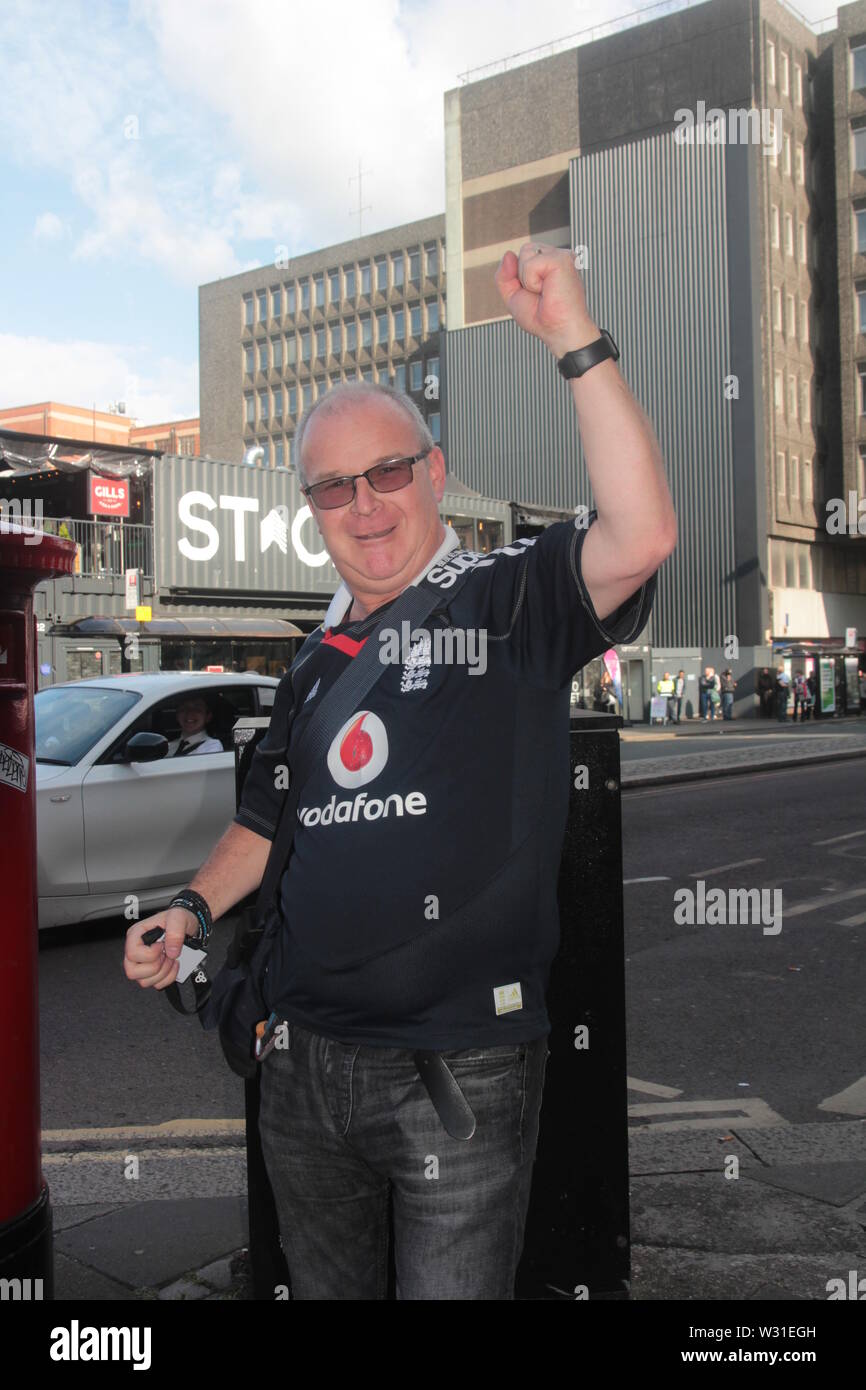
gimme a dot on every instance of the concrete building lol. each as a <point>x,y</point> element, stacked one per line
<point>49,419</point>
<point>273,340</point>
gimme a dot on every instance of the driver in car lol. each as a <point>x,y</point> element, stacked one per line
<point>193,715</point>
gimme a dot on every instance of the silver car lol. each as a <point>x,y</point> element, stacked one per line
<point>117,819</point>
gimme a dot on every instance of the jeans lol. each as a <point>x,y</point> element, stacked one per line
<point>346,1127</point>
<point>727,704</point>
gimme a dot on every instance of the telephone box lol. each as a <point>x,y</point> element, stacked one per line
<point>26,558</point>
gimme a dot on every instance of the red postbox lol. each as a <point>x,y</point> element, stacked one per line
<point>26,558</point>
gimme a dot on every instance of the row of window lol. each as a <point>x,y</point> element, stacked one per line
<point>799,155</point>
<point>384,329</point>
<point>784,73</point>
<point>422,377</point>
<point>794,477</point>
<point>823,568</point>
<point>799,398</point>
<point>775,238</point>
<point>791,316</point>
<point>278,452</point>
<point>341,283</point>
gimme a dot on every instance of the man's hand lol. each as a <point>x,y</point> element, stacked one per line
<point>544,295</point>
<point>156,966</point>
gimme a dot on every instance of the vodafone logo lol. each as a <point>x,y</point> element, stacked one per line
<point>359,751</point>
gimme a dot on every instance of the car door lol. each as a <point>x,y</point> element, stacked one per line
<point>152,825</point>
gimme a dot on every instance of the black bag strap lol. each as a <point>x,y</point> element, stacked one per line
<point>413,606</point>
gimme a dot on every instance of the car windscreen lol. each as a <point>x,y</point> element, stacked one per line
<point>71,719</point>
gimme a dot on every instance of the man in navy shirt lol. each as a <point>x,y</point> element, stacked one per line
<point>419,900</point>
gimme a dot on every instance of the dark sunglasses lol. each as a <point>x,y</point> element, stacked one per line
<point>382,477</point>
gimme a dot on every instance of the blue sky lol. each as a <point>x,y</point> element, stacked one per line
<point>150,146</point>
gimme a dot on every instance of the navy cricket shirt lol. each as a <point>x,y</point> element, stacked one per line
<point>420,895</point>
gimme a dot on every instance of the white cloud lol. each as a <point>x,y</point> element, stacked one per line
<point>81,372</point>
<point>48,227</point>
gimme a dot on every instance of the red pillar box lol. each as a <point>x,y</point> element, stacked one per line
<point>26,558</point>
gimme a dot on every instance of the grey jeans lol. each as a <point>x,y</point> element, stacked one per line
<point>347,1128</point>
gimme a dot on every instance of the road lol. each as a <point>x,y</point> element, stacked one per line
<point>724,1014</point>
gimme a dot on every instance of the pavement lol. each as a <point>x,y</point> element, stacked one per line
<point>748,1207</point>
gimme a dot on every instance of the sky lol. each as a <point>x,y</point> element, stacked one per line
<point>151,146</point>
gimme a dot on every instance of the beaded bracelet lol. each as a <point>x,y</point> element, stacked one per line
<point>196,904</point>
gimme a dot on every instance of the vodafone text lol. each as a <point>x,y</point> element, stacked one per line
<point>415,803</point>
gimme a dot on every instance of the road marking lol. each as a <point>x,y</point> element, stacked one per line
<point>826,901</point>
<point>851,1101</point>
<point>752,1114</point>
<point>853,835</point>
<point>169,1129</point>
<point>737,864</point>
<point>857,921</point>
<point>121,1156</point>
<point>659,878</point>
<point>652,1088</point>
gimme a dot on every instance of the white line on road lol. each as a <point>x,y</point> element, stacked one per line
<point>827,901</point>
<point>753,1114</point>
<point>858,920</point>
<point>737,864</point>
<point>853,835</point>
<point>851,1101</point>
<point>659,878</point>
<point>122,1155</point>
<point>169,1129</point>
<point>652,1088</point>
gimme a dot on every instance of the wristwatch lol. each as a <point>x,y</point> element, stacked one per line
<point>576,363</point>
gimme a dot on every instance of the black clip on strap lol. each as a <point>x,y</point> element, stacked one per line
<point>200,981</point>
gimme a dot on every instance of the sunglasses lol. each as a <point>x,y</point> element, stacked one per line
<point>382,477</point>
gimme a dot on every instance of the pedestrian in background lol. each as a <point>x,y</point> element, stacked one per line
<point>679,690</point>
<point>729,685</point>
<point>783,686</point>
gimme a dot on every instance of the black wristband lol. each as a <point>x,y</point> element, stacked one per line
<point>197,905</point>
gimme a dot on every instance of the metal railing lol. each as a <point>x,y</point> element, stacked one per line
<point>106,547</point>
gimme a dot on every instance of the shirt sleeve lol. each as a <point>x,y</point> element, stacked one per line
<point>553,629</point>
<point>261,798</point>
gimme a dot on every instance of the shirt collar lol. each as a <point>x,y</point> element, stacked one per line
<point>342,600</point>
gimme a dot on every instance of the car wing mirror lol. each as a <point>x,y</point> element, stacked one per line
<point>145,747</point>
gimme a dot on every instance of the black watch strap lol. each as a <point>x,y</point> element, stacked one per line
<point>575,363</point>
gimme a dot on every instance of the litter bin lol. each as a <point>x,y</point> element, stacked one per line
<point>577,1242</point>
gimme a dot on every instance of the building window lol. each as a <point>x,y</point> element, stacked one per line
<point>774,224</point>
<point>305,346</point>
<point>858,67</point>
<point>807,480</point>
<point>415,321</point>
<point>277,354</point>
<point>249,409</point>
<point>399,325</point>
<point>789,234</point>
<point>383,373</point>
<point>780,473</point>
<point>433,370</point>
<point>400,376</point>
<point>320,387</point>
<point>263,305</point>
<point>416,376</point>
<point>291,299</point>
<point>415,267</point>
<point>277,302</point>
<point>278,403</point>
<point>382,328</point>
<point>365,278</point>
<point>248,310</point>
<point>786,154</point>
<point>248,359</point>
<point>382,275</point>
<point>798,84</point>
<point>291,350</point>
<point>785,66</point>
<point>804,321</point>
<point>367,374</point>
<point>861,471</point>
<point>263,405</point>
<point>861,231</point>
<point>397,270</point>
<point>366,331</point>
<point>432,316</point>
<point>862,375</point>
<point>349,281</point>
<point>307,394</point>
<point>431,254</point>
<point>336,339</point>
<point>795,478</point>
<point>792,397</point>
<point>771,64</point>
<point>774,152</point>
<point>860,149</point>
<point>278,453</point>
<point>334,286</point>
<point>435,426</point>
<point>319,291</point>
<point>861,311</point>
<point>293,401</point>
<point>263,356</point>
<point>321,342</point>
<point>802,230</point>
<point>351,336</point>
<point>777,308</point>
<point>801,163</point>
<point>806,401</point>
<point>792,316</point>
<point>778,392</point>
<point>305,296</point>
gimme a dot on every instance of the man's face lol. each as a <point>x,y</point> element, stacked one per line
<point>377,540</point>
<point>192,716</point>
